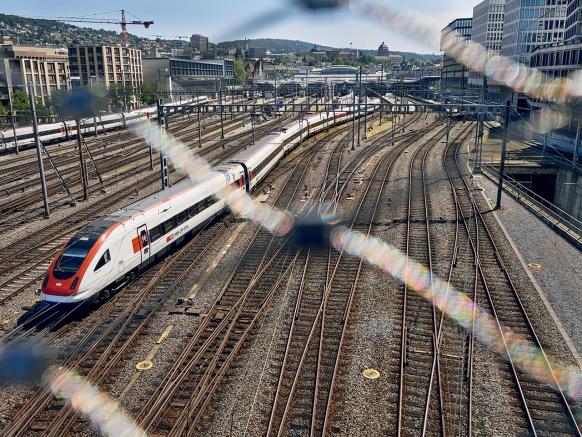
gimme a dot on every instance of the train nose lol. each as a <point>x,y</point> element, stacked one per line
<point>60,287</point>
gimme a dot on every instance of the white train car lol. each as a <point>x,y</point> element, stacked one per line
<point>108,252</point>
<point>66,130</point>
<point>105,254</point>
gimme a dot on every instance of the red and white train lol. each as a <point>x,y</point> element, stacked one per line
<point>108,252</point>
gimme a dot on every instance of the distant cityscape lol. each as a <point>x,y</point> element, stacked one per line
<point>55,55</point>
<point>542,34</point>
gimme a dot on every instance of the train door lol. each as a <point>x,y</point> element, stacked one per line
<point>247,176</point>
<point>144,243</point>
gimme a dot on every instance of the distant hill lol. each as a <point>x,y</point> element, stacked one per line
<point>277,45</point>
<point>43,32</point>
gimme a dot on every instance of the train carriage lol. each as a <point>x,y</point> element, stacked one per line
<point>105,254</point>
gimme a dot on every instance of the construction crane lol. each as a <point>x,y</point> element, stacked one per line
<point>123,22</point>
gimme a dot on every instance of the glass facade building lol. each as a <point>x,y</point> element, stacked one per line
<point>529,24</point>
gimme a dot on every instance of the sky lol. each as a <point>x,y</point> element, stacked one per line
<point>226,19</point>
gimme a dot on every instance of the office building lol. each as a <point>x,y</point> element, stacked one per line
<point>156,70</point>
<point>47,68</point>
<point>573,27</point>
<point>561,60</point>
<point>487,31</point>
<point>529,24</point>
<point>106,65</point>
<point>454,75</point>
<point>199,42</point>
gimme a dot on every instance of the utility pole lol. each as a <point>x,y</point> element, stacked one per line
<point>199,130</point>
<point>503,152</point>
<point>13,120</point>
<point>576,142</point>
<point>354,118</point>
<point>253,125</point>
<point>38,151</point>
<point>150,144</point>
<point>393,119</point>
<point>448,126</point>
<point>476,143</point>
<point>81,158</point>
<point>221,118</point>
<point>165,177</point>
<point>365,115</point>
<point>359,103</point>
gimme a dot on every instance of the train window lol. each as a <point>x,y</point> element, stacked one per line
<point>193,210</point>
<point>169,225</point>
<point>155,233</point>
<point>105,258</point>
<point>144,238</point>
<point>210,201</point>
<point>182,217</point>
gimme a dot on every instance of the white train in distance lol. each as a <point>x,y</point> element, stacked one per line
<point>65,130</point>
<point>105,254</point>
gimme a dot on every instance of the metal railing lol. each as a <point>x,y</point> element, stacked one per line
<point>539,206</point>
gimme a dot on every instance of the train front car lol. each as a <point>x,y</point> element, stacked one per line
<point>71,276</point>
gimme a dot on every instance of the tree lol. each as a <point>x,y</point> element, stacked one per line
<point>148,93</point>
<point>20,101</point>
<point>58,100</point>
<point>367,59</point>
<point>240,74</point>
<point>115,96</point>
<point>3,115</point>
<point>41,109</point>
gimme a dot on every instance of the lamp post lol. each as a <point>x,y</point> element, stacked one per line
<point>359,103</point>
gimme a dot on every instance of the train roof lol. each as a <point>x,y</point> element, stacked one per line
<point>149,202</point>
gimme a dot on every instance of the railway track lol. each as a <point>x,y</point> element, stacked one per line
<point>24,262</point>
<point>546,411</point>
<point>102,355</point>
<point>129,157</point>
<point>180,400</point>
<point>303,399</point>
<point>104,344</point>
<point>55,425</point>
<point>422,389</point>
<point>195,373</point>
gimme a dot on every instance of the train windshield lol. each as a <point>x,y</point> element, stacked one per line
<point>75,253</point>
<point>78,248</point>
